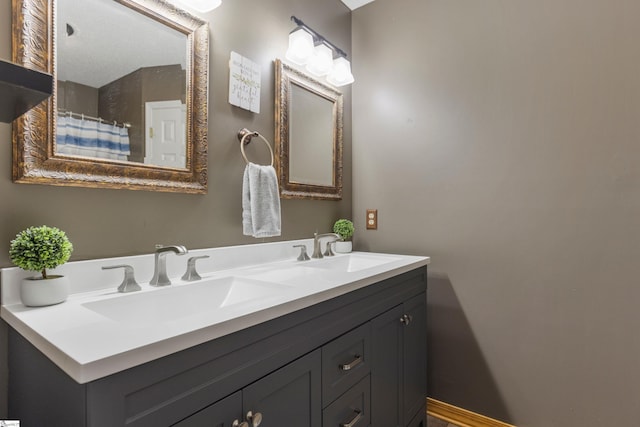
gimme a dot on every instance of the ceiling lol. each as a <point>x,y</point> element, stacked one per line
<point>101,50</point>
<point>354,4</point>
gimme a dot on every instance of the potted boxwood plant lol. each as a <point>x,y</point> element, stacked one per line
<point>344,228</point>
<point>38,249</point>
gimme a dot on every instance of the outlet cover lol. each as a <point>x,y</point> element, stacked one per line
<point>372,219</point>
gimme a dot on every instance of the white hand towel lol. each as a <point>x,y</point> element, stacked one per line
<point>260,201</point>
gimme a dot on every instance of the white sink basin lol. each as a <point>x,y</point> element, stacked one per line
<point>319,272</point>
<point>353,262</point>
<point>294,275</point>
<point>175,302</point>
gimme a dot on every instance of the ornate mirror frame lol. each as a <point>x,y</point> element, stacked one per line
<point>286,76</point>
<point>34,158</point>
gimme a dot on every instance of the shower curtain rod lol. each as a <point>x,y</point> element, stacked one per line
<point>62,112</point>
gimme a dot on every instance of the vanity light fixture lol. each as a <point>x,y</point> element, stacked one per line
<point>308,47</point>
<point>321,61</point>
<point>300,46</point>
<point>340,74</point>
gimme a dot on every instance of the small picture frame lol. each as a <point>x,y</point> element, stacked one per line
<point>244,83</point>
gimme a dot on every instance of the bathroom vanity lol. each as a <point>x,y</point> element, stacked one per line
<point>345,346</point>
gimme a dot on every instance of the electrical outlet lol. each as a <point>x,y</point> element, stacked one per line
<point>372,219</point>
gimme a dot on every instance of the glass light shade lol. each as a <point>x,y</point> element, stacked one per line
<point>300,47</point>
<point>341,72</point>
<point>321,62</point>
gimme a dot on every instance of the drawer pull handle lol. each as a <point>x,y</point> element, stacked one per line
<point>353,364</point>
<point>237,423</point>
<point>355,419</point>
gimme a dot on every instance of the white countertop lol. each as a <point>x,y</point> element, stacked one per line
<point>88,345</point>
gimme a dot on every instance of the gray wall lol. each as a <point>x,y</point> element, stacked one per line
<point>501,138</point>
<point>76,97</point>
<point>106,223</point>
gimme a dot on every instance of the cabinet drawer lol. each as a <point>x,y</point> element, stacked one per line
<point>351,409</point>
<point>220,414</point>
<point>345,361</point>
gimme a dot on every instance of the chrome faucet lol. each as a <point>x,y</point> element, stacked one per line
<point>317,252</point>
<point>160,277</point>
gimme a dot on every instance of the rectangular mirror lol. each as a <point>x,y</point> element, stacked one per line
<point>309,117</point>
<point>129,109</point>
<point>116,99</point>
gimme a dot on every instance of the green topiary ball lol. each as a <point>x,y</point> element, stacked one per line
<point>39,248</point>
<point>344,228</point>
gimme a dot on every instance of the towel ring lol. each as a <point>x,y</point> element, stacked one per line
<point>245,134</point>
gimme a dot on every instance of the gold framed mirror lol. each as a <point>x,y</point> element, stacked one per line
<point>309,122</point>
<point>55,143</point>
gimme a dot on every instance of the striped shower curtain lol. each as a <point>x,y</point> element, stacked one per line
<point>88,138</point>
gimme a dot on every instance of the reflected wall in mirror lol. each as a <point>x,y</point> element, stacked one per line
<point>309,117</point>
<point>130,106</point>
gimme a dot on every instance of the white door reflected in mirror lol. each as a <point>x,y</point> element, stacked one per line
<point>165,136</point>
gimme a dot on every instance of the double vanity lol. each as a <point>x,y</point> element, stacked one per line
<point>260,339</point>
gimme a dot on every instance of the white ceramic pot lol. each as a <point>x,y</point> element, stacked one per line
<point>38,292</point>
<point>344,247</point>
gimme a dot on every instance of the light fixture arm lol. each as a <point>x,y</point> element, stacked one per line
<point>318,37</point>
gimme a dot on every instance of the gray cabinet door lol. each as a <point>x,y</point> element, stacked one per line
<point>386,369</point>
<point>399,363</point>
<point>290,396</point>
<point>414,356</point>
<point>220,414</point>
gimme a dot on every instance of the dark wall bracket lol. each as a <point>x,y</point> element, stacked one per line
<point>21,89</point>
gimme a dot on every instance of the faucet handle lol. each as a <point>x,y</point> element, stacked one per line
<point>329,251</point>
<point>303,253</point>
<point>129,283</point>
<point>191,274</point>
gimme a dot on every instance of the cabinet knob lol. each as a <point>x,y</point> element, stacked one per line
<point>406,319</point>
<point>255,419</point>
<point>237,423</point>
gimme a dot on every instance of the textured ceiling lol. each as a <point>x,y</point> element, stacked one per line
<point>110,41</point>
